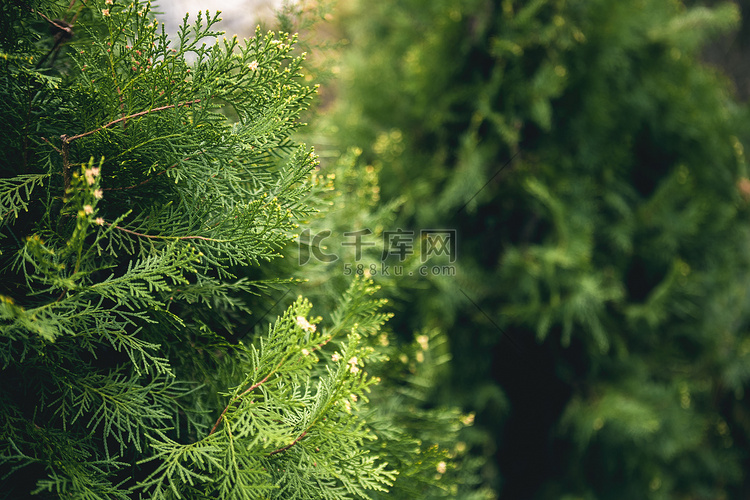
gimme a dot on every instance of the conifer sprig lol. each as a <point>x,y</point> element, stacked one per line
<point>150,185</point>
<point>288,419</point>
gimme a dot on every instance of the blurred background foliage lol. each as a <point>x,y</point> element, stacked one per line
<point>590,155</point>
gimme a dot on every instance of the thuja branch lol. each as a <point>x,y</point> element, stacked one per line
<point>142,182</point>
<point>245,392</point>
<point>255,386</point>
<point>67,139</point>
<point>237,398</point>
<point>154,237</point>
<point>282,450</point>
<point>59,151</point>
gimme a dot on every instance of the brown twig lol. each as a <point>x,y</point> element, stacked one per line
<point>255,386</point>
<point>237,398</point>
<point>281,450</point>
<point>66,140</point>
<point>75,16</point>
<point>64,27</point>
<point>62,30</point>
<point>134,115</point>
<point>153,237</point>
<point>53,146</point>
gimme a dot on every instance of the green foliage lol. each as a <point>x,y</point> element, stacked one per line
<point>595,170</point>
<point>425,442</point>
<point>135,220</point>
